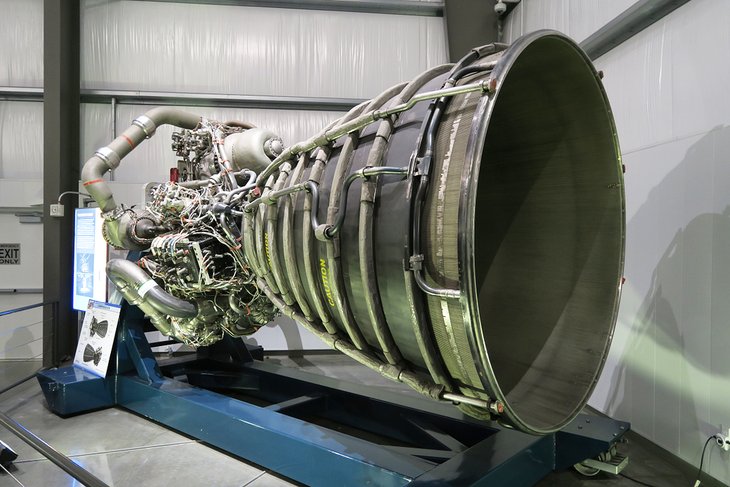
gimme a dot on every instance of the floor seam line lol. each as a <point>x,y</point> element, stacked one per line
<point>118,450</point>
<point>255,478</point>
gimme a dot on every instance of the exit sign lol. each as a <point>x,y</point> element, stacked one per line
<point>9,253</point>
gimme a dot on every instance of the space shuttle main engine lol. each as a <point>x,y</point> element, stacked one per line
<point>462,233</point>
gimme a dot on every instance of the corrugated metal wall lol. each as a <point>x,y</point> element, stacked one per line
<point>209,49</point>
<point>159,46</point>
<point>669,369</point>
<point>576,18</point>
<point>21,161</point>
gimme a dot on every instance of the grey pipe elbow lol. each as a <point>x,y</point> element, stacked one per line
<point>170,305</point>
<point>126,274</point>
<point>92,175</point>
<point>173,116</point>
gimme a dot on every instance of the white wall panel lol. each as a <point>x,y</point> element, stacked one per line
<point>95,126</point>
<point>586,17</point>
<point>700,67</point>
<point>152,159</point>
<point>576,18</point>
<point>667,371</point>
<point>639,76</point>
<point>21,43</point>
<point>21,334</point>
<point>155,46</point>
<point>21,140</point>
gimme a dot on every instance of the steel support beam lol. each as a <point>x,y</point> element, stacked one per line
<point>60,170</point>
<point>219,100</point>
<point>630,22</point>
<point>17,93</point>
<point>397,7</point>
<point>469,23</point>
<point>192,99</point>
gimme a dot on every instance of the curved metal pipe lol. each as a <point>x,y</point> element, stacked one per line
<point>124,273</point>
<point>118,224</point>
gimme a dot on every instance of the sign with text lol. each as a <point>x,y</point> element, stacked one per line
<point>97,337</point>
<point>90,254</point>
<point>9,254</point>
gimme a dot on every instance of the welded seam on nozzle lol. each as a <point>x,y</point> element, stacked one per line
<point>424,157</point>
<point>420,320</point>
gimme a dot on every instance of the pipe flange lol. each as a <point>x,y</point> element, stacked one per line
<point>105,235</point>
<point>273,147</point>
<point>146,124</point>
<point>322,232</point>
<point>114,214</point>
<point>109,157</point>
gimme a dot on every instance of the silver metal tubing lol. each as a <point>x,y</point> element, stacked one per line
<point>363,121</point>
<point>393,372</point>
<point>65,463</point>
<point>332,268</point>
<point>366,250</point>
<point>127,272</point>
<point>420,327</point>
<point>493,406</point>
<point>262,240</point>
<point>288,242</point>
<point>431,290</point>
<point>21,290</point>
<point>312,270</point>
<point>272,221</point>
<point>23,308</point>
<point>330,231</point>
<point>79,193</point>
<point>249,246</point>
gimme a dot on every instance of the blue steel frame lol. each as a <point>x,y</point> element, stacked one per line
<point>318,430</point>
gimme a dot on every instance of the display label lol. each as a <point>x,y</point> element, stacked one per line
<point>97,337</point>
<point>90,255</point>
<point>9,254</point>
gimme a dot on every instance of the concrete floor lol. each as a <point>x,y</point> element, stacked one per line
<point>126,450</point>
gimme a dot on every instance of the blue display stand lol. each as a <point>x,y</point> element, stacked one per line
<point>318,430</point>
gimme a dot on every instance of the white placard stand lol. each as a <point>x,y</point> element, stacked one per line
<point>97,337</point>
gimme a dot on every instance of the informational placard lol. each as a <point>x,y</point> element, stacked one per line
<point>97,337</point>
<point>90,255</point>
<point>9,254</point>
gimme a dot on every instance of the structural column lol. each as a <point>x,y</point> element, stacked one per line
<point>60,171</point>
<point>469,23</point>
